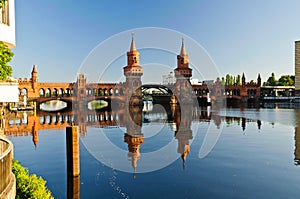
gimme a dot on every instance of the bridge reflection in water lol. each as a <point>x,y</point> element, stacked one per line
<point>179,119</point>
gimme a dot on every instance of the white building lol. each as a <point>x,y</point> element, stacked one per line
<point>169,78</point>
<point>7,24</point>
<point>9,91</point>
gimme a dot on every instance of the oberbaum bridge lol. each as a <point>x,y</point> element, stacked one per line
<point>132,91</point>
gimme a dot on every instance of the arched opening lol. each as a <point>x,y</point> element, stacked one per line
<point>135,83</point>
<point>111,91</point>
<point>105,92</point>
<point>87,92</point>
<point>42,92</point>
<point>67,93</point>
<point>94,92</point>
<point>48,92</point>
<point>100,92</point>
<point>24,92</point>
<point>54,93</point>
<point>61,92</point>
<point>116,92</point>
<point>196,92</point>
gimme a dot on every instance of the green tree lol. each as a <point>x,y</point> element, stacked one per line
<point>5,57</point>
<point>238,80</point>
<point>286,80</point>
<point>223,81</point>
<point>29,186</point>
<point>271,80</point>
<point>229,80</point>
<point>2,2</point>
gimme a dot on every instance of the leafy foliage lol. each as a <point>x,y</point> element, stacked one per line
<point>271,80</point>
<point>2,2</point>
<point>5,58</point>
<point>230,80</point>
<point>284,80</point>
<point>29,186</point>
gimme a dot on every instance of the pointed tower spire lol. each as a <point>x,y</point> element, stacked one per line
<point>243,80</point>
<point>34,70</point>
<point>259,80</point>
<point>182,51</point>
<point>132,46</point>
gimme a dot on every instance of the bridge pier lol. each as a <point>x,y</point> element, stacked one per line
<point>72,145</point>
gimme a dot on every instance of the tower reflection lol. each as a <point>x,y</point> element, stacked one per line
<point>133,136</point>
<point>183,133</point>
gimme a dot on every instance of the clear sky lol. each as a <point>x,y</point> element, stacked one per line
<point>251,36</point>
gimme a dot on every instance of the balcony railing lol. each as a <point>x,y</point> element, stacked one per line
<point>6,175</point>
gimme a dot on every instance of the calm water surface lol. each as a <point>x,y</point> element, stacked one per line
<point>228,153</point>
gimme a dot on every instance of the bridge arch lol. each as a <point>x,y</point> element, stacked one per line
<point>24,92</point>
<point>154,89</point>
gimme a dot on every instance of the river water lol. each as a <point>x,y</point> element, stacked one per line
<point>161,152</point>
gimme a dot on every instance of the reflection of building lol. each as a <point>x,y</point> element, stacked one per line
<point>183,133</point>
<point>134,142</point>
<point>133,136</point>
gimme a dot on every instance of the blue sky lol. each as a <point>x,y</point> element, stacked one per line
<point>248,36</point>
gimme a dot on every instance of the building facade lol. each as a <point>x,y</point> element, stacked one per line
<point>7,24</point>
<point>297,68</point>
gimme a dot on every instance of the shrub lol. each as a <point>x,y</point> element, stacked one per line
<point>29,186</point>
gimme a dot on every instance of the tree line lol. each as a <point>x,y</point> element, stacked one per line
<point>284,80</point>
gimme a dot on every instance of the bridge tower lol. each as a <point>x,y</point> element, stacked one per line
<point>34,78</point>
<point>80,87</point>
<point>133,72</point>
<point>79,105</point>
<point>183,88</point>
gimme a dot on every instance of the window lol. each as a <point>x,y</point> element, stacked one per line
<point>4,17</point>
